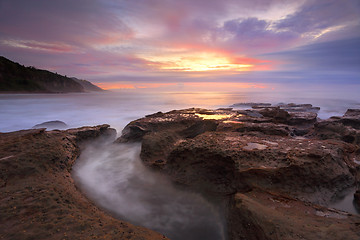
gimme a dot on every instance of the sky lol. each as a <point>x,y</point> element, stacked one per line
<point>144,43</point>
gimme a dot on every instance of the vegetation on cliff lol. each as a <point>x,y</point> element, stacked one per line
<point>18,78</point>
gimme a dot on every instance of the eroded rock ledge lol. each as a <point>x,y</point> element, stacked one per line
<point>280,168</point>
<point>38,197</point>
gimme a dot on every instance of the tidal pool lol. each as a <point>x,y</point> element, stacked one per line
<point>114,177</point>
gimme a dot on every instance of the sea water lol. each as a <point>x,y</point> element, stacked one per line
<point>117,108</point>
<point>113,175</point>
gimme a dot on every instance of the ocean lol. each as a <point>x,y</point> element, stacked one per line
<point>113,175</point>
<point>117,108</point>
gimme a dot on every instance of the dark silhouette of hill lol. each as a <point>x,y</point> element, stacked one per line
<point>16,78</point>
<point>88,86</point>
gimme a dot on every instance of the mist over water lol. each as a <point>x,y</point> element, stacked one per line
<point>23,111</point>
<point>113,175</point>
<point>115,178</point>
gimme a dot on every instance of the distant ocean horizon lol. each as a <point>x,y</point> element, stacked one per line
<point>119,107</point>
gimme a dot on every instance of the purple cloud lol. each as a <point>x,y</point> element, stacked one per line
<point>253,36</point>
<point>333,56</point>
<point>79,23</point>
<point>108,38</point>
<point>320,15</point>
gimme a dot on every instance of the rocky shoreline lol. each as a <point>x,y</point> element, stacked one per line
<point>277,167</point>
<point>39,199</point>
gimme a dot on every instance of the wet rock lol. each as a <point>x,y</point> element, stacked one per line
<point>292,107</point>
<point>351,118</point>
<point>184,145</point>
<point>263,128</point>
<point>223,162</point>
<point>39,199</point>
<point>352,113</point>
<point>302,118</point>
<point>262,215</point>
<point>278,115</point>
<point>158,114</point>
<point>51,125</point>
<point>357,198</point>
<point>253,114</point>
<point>279,164</point>
<point>133,133</point>
<point>186,123</point>
<point>252,105</point>
<point>300,131</point>
<point>89,133</point>
<point>334,128</point>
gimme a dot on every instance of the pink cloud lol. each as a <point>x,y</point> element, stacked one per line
<point>110,38</point>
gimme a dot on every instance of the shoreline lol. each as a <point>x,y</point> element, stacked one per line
<point>279,185</point>
<point>290,171</point>
<point>38,195</point>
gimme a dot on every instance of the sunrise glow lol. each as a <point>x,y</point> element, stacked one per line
<point>131,44</point>
<point>142,119</point>
<point>174,86</point>
<point>200,62</point>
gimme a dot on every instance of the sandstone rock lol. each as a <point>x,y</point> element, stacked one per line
<point>184,145</point>
<point>38,197</point>
<point>278,115</point>
<point>352,113</point>
<point>277,176</point>
<point>253,114</point>
<point>309,170</point>
<point>262,128</point>
<point>302,118</point>
<point>89,133</point>
<point>292,107</point>
<point>252,104</point>
<point>261,215</point>
<point>351,118</point>
<point>187,123</point>
<point>334,128</point>
<point>357,198</point>
<point>51,125</point>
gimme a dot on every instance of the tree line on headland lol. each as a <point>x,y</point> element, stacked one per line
<point>16,78</point>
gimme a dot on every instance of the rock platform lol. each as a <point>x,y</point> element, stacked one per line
<point>38,197</point>
<point>279,168</point>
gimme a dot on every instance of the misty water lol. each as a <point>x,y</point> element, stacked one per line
<point>23,111</point>
<point>113,176</point>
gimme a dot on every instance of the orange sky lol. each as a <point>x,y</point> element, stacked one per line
<point>105,41</point>
<point>203,85</point>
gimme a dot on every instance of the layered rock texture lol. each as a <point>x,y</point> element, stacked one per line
<point>279,166</point>
<point>278,169</point>
<point>15,78</point>
<point>38,197</point>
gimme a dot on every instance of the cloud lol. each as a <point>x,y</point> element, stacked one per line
<point>319,15</point>
<point>148,37</point>
<point>333,56</point>
<point>252,35</point>
<point>79,23</point>
<point>42,46</point>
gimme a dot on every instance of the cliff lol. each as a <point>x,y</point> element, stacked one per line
<point>16,78</point>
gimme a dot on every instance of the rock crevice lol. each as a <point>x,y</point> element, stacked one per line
<point>38,197</point>
<point>281,165</point>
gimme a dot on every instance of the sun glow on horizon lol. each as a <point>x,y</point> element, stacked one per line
<point>200,62</point>
<point>180,86</point>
